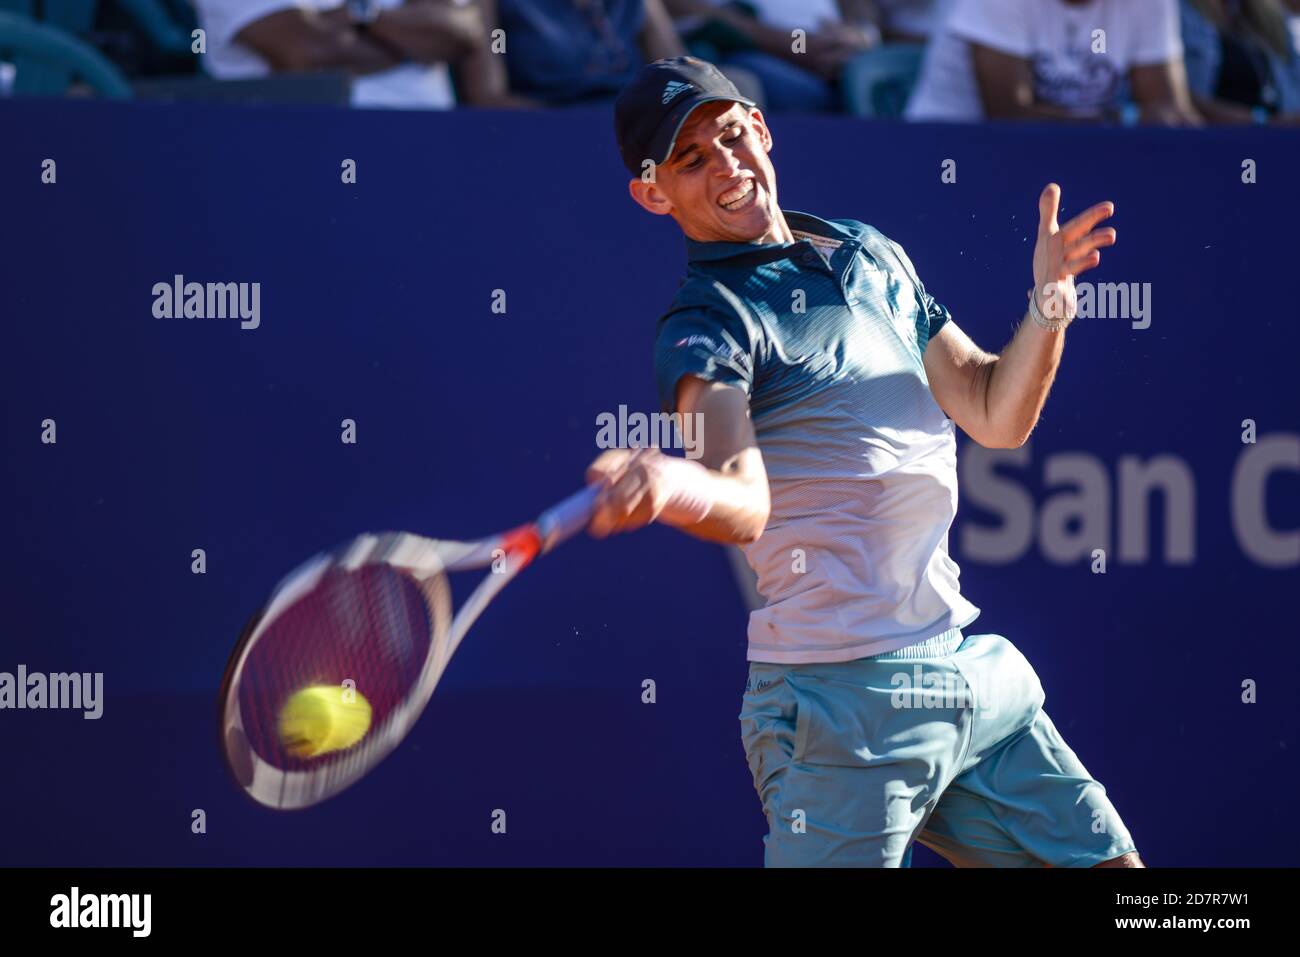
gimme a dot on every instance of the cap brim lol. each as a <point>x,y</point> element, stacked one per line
<point>672,125</point>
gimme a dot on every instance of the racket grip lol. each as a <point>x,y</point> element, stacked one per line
<point>563,521</point>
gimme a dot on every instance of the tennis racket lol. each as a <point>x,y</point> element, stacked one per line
<point>373,619</point>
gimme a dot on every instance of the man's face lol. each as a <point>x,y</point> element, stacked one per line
<point>719,183</point>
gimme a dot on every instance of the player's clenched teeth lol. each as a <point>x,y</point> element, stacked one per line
<point>742,195</point>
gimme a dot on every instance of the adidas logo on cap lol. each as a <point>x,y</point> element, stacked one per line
<point>673,88</point>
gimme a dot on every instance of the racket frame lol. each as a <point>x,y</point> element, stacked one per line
<point>426,562</point>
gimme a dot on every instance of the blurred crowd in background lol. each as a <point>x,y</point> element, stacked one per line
<point>1169,62</point>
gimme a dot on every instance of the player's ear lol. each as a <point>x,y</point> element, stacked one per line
<point>760,127</point>
<point>649,197</point>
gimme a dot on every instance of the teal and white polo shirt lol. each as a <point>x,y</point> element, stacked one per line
<point>826,336</point>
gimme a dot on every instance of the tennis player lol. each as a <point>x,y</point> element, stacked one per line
<point>828,382</point>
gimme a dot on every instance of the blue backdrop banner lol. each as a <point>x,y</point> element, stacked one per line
<point>475,302</point>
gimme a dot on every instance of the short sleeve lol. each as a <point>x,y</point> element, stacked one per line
<point>223,19</point>
<point>711,342</point>
<point>931,315</point>
<point>1002,25</point>
<point>1156,37</point>
<point>935,315</point>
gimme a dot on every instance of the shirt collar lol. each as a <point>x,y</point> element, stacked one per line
<point>804,222</point>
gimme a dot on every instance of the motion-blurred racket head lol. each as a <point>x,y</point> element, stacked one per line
<point>373,619</point>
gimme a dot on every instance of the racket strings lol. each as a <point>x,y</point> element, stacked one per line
<point>361,621</point>
<point>369,630</point>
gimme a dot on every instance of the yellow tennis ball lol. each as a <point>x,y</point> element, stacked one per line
<point>323,718</point>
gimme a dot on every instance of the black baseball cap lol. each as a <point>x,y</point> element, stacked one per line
<point>650,111</point>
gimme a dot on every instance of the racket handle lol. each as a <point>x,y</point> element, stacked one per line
<point>563,521</point>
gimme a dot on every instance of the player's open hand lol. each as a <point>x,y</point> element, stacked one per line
<point>632,493</point>
<point>1063,252</point>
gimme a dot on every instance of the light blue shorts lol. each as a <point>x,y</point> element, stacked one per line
<point>945,742</point>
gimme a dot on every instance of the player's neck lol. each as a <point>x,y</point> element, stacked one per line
<point>780,231</point>
<point>777,233</point>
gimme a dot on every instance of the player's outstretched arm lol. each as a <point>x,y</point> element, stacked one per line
<point>996,399</point>
<point>721,497</point>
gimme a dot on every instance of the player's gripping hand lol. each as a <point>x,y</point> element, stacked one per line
<point>633,492</point>
<point>644,485</point>
<point>1063,252</point>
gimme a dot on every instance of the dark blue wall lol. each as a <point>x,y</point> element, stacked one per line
<point>183,434</point>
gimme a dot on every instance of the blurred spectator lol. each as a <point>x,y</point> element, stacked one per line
<point>1042,60</point>
<point>398,50</point>
<point>911,21</point>
<point>757,36</point>
<point>1243,59</point>
<point>561,52</point>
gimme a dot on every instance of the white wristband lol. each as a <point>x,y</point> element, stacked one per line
<point>1036,314</point>
<point>690,485</point>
